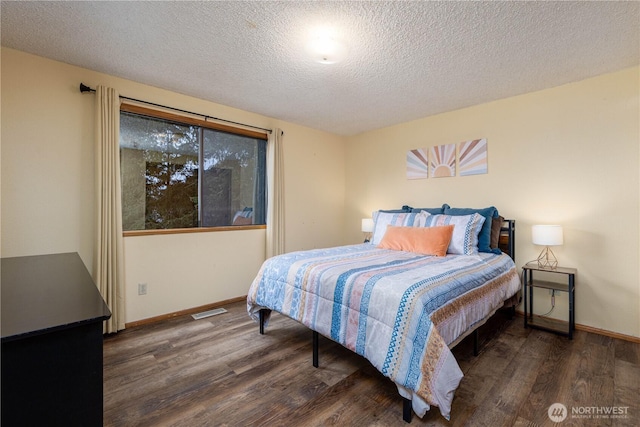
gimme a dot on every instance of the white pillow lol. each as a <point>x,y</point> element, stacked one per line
<point>465,231</point>
<point>382,219</point>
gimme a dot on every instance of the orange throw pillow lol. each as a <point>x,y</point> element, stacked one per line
<point>422,240</point>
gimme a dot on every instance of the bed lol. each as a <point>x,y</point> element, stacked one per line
<point>402,308</point>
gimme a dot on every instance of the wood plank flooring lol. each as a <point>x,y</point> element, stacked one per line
<point>219,371</point>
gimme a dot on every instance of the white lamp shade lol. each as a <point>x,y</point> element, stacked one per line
<point>367,225</point>
<point>547,235</point>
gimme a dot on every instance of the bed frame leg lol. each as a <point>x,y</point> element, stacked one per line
<point>475,343</point>
<point>315,349</point>
<point>407,410</point>
<point>261,315</point>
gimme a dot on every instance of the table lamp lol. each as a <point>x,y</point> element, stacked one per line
<point>367,228</point>
<point>547,235</point>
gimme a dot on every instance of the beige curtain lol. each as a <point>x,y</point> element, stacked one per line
<point>275,194</point>
<point>109,263</point>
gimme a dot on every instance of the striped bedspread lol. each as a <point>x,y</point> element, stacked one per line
<point>399,310</point>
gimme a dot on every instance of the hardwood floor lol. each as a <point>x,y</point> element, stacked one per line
<point>219,371</point>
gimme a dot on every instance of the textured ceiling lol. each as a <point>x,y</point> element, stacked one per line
<point>405,60</point>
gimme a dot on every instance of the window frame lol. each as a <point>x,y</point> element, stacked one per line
<point>187,120</point>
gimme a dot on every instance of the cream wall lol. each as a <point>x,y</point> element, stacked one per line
<point>48,191</point>
<point>567,155</point>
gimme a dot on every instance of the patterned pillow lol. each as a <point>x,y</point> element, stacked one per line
<point>465,233</point>
<point>484,238</point>
<point>382,219</point>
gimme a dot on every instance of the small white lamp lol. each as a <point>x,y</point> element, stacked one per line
<point>367,228</point>
<point>547,235</point>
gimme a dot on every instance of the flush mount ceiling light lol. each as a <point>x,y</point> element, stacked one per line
<point>325,48</point>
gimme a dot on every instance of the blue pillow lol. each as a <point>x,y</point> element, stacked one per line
<point>394,211</point>
<point>432,211</point>
<point>484,238</point>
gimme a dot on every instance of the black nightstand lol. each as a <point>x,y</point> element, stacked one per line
<point>568,285</point>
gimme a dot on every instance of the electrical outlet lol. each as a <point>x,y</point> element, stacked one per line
<point>142,288</point>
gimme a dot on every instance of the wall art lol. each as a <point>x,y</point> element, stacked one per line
<point>472,156</point>
<point>417,165</point>
<point>442,161</point>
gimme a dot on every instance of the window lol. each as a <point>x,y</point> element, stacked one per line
<point>179,172</point>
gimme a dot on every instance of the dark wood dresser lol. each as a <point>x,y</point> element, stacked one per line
<point>51,323</point>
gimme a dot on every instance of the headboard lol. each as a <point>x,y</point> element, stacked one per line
<point>507,241</point>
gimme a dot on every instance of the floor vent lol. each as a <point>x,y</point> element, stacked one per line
<point>208,313</point>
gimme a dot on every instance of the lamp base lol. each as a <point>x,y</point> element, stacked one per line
<point>547,259</point>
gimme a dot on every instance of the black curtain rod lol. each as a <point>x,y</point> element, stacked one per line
<point>85,88</point>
